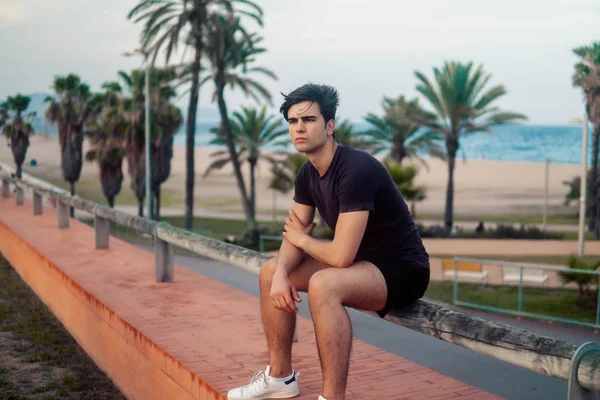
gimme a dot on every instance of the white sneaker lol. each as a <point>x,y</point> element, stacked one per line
<point>263,386</point>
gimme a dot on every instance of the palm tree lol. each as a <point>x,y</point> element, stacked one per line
<point>283,174</point>
<point>347,136</point>
<point>230,51</point>
<point>583,281</point>
<point>3,114</point>
<point>70,112</point>
<point>587,77</point>
<point>108,134</point>
<point>403,177</point>
<point>133,105</point>
<point>17,127</point>
<point>400,131</point>
<point>462,106</point>
<point>252,131</point>
<point>165,120</point>
<point>161,148</point>
<point>166,21</point>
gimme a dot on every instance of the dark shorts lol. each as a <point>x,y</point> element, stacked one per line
<point>406,280</point>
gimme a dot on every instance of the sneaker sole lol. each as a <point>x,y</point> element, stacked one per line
<point>280,395</point>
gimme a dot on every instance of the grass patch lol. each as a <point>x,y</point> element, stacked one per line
<point>554,302</point>
<point>216,228</point>
<point>91,189</point>
<point>220,227</point>
<point>39,358</point>
<point>575,236</point>
<point>533,259</point>
<point>513,219</point>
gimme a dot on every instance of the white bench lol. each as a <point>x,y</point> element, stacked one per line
<point>466,269</point>
<point>530,275</point>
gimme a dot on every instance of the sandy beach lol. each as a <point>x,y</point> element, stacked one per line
<point>482,187</point>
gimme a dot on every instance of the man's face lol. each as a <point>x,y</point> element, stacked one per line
<point>307,127</point>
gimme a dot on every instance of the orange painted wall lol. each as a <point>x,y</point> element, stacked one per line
<point>139,368</point>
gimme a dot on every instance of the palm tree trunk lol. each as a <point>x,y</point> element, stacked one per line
<point>398,153</point>
<point>253,188</point>
<point>190,142</point>
<point>250,220</point>
<point>594,196</point>
<point>449,213</point>
<point>72,210</point>
<point>111,202</point>
<point>19,171</point>
<point>593,201</point>
<point>141,208</point>
<point>274,204</point>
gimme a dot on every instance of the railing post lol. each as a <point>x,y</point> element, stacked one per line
<point>598,305</point>
<point>575,390</point>
<point>163,253</point>
<point>63,215</point>
<point>455,285</point>
<point>5,187</point>
<point>20,196</point>
<point>520,306</point>
<point>102,227</point>
<point>38,209</point>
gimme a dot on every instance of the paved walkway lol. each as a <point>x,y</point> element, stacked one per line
<point>211,329</point>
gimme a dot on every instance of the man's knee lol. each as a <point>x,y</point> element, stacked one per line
<point>267,270</point>
<point>322,287</point>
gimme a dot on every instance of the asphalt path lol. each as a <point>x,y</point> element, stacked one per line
<point>486,373</point>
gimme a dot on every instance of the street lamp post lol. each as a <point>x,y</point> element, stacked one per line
<point>583,192</point>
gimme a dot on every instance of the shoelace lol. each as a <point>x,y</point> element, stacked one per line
<point>258,375</point>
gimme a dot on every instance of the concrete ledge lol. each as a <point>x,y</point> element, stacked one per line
<point>137,365</point>
<point>192,338</point>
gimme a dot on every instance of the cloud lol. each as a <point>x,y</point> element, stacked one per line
<point>12,12</point>
<point>367,48</point>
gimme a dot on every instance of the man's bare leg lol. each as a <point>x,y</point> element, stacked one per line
<point>279,325</point>
<point>360,286</point>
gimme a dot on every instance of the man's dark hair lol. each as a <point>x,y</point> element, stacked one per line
<point>325,96</point>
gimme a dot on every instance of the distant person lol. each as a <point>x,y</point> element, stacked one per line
<point>375,262</point>
<point>230,239</point>
<point>480,228</point>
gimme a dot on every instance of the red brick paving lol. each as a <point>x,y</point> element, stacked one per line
<point>191,338</point>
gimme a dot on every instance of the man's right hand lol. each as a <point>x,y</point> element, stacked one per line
<point>283,293</point>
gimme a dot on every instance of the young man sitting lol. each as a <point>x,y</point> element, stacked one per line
<point>375,262</point>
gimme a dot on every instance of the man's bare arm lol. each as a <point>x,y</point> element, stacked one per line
<point>340,252</point>
<point>289,255</point>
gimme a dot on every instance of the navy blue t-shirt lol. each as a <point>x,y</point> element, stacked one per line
<point>357,181</point>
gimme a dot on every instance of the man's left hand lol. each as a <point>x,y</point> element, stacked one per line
<point>295,231</point>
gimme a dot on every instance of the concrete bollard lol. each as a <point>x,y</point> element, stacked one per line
<point>5,187</point>
<point>20,196</point>
<point>102,227</point>
<point>163,253</point>
<point>38,209</point>
<point>63,215</point>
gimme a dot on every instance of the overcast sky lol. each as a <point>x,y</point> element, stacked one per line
<point>367,49</point>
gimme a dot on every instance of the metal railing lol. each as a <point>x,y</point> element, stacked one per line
<point>580,365</point>
<point>519,311</point>
<point>263,238</point>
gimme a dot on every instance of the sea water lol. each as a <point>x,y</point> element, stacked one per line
<point>534,143</point>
